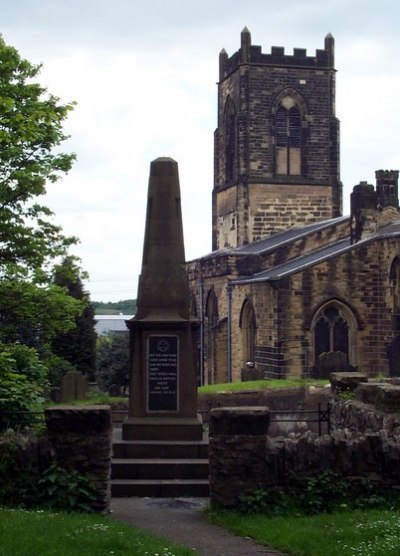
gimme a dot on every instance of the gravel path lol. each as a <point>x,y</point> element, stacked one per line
<point>182,521</point>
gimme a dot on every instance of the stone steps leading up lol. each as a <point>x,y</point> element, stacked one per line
<point>160,488</point>
<point>159,468</point>
<point>160,449</point>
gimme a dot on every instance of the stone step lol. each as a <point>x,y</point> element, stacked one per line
<point>160,449</point>
<point>159,469</point>
<point>159,488</point>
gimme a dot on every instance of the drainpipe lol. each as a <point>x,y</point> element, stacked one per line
<point>201,290</point>
<point>229,342</point>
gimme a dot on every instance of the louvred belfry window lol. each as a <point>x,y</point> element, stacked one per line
<point>230,140</point>
<point>288,141</point>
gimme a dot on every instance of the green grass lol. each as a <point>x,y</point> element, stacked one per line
<point>43,533</point>
<point>358,533</point>
<point>261,385</point>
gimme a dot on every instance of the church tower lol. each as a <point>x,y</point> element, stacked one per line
<point>276,147</point>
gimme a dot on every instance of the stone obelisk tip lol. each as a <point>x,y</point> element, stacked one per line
<point>163,292</point>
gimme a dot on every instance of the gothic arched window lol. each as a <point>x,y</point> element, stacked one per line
<point>248,327</point>
<point>334,329</point>
<point>288,138</point>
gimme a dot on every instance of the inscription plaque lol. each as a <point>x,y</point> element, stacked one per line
<point>162,360</point>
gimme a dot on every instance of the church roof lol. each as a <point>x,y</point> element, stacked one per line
<point>319,255</point>
<point>277,240</point>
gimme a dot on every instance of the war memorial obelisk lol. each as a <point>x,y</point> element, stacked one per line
<point>163,382</point>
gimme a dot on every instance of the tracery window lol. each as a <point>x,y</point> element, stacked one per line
<point>331,332</point>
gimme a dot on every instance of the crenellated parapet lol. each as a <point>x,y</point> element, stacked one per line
<point>249,54</point>
<point>387,188</point>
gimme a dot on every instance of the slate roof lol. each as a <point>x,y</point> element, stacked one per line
<point>277,240</point>
<point>319,255</point>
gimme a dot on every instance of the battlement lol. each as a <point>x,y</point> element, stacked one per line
<point>249,54</point>
<point>387,188</point>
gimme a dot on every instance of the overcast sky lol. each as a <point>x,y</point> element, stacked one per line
<point>144,76</point>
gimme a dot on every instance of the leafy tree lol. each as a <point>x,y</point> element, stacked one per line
<point>30,129</point>
<point>32,308</point>
<point>78,345</point>
<point>32,314</point>
<point>113,360</point>
<point>22,381</point>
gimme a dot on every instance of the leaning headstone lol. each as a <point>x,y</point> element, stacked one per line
<point>332,362</point>
<point>74,386</point>
<point>114,390</point>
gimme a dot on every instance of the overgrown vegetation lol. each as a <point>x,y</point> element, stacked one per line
<point>27,480</point>
<point>322,493</point>
<point>43,533</point>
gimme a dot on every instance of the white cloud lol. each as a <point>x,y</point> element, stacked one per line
<point>144,73</point>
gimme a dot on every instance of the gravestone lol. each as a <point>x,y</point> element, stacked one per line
<point>163,382</point>
<point>74,386</point>
<point>393,354</point>
<point>331,362</point>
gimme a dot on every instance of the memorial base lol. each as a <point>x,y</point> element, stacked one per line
<point>159,428</point>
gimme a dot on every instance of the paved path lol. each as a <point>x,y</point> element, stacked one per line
<point>182,521</point>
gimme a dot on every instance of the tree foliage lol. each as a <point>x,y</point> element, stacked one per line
<point>124,306</point>
<point>30,129</point>
<point>33,308</point>
<point>113,360</point>
<point>78,345</point>
<point>23,379</point>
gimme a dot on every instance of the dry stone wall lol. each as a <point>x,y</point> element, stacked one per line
<point>80,439</point>
<point>364,442</point>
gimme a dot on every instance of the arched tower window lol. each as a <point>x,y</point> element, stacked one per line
<point>248,328</point>
<point>230,139</point>
<point>288,137</point>
<point>334,329</point>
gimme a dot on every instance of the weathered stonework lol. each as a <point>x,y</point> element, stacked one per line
<point>364,443</point>
<point>290,279</point>
<point>252,195</point>
<point>80,438</point>
<point>237,452</point>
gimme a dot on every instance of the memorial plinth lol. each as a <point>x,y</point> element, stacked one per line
<point>163,383</point>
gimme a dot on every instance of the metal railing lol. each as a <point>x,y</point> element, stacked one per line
<point>12,419</point>
<point>321,415</point>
